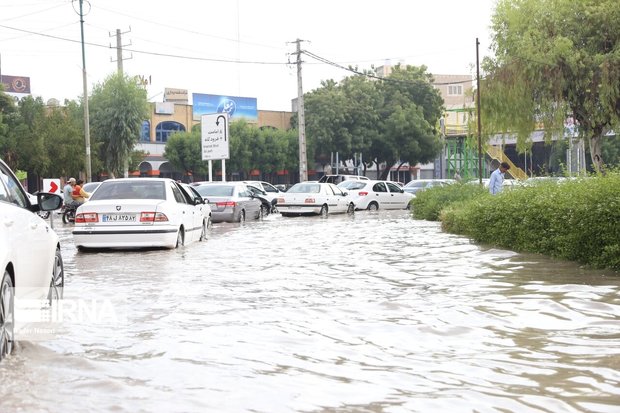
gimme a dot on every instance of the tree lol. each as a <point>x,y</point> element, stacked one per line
<point>388,121</point>
<point>554,59</point>
<point>184,152</point>
<point>117,107</point>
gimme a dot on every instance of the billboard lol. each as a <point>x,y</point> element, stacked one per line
<point>15,84</point>
<point>175,95</point>
<point>235,106</point>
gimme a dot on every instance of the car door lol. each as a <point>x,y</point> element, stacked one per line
<point>381,194</point>
<point>29,236</point>
<point>398,200</point>
<point>337,199</point>
<point>187,212</point>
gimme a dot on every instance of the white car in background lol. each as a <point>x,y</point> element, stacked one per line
<point>307,198</point>
<point>140,213</point>
<point>30,259</point>
<point>416,185</point>
<point>374,195</point>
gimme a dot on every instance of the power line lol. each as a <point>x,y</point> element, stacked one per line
<point>369,75</point>
<point>146,52</point>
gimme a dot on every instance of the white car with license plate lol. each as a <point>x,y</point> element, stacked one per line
<point>374,195</point>
<point>307,198</point>
<point>140,213</point>
<point>30,259</point>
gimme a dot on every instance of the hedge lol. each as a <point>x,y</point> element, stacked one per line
<point>577,220</point>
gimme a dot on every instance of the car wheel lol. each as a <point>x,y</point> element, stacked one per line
<point>351,209</point>
<point>58,279</point>
<point>241,216</point>
<point>203,231</point>
<point>180,238</point>
<point>324,211</point>
<point>7,315</point>
<point>373,206</point>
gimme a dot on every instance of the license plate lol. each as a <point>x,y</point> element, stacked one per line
<point>118,218</point>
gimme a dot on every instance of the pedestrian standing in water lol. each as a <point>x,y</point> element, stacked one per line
<point>497,178</point>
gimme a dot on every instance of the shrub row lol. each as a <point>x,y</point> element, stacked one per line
<point>577,220</point>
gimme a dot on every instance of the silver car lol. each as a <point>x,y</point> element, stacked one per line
<point>229,201</point>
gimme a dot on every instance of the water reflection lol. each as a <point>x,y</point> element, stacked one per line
<point>375,312</point>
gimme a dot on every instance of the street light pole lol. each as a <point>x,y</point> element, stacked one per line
<point>85,100</point>
<point>478,110</point>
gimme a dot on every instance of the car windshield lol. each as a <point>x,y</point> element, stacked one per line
<point>352,185</point>
<point>215,190</point>
<point>135,189</point>
<point>303,188</point>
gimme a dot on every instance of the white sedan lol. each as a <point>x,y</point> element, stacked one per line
<point>374,195</point>
<point>140,213</point>
<point>32,268</point>
<point>314,198</point>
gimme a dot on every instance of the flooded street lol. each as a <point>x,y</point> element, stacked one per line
<point>372,313</point>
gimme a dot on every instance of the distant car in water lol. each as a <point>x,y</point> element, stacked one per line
<point>230,201</point>
<point>315,198</point>
<point>139,213</point>
<point>374,195</point>
<point>336,179</point>
<point>416,185</point>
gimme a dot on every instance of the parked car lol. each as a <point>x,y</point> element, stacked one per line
<point>30,259</point>
<point>203,206</point>
<point>139,213</point>
<point>230,201</point>
<point>416,185</point>
<point>90,187</point>
<point>267,191</point>
<point>268,202</point>
<point>374,195</point>
<point>336,179</point>
<point>315,198</point>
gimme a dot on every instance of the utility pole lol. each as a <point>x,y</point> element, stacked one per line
<point>85,87</point>
<point>119,50</point>
<point>303,160</point>
<point>478,111</point>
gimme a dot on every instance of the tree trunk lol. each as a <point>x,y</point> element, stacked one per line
<point>386,170</point>
<point>595,153</point>
<point>126,168</point>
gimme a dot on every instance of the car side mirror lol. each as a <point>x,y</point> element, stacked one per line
<point>345,193</point>
<point>48,202</point>
<point>198,201</point>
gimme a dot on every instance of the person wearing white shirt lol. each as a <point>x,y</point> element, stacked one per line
<point>497,178</point>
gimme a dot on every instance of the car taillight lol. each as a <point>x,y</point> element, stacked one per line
<point>86,217</point>
<point>363,193</point>
<point>226,204</point>
<point>309,201</point>
<point>153,217</point>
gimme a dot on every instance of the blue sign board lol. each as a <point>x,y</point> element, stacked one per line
<point>236,107</point>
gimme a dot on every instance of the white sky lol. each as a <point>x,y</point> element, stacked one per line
<point>440,34</point>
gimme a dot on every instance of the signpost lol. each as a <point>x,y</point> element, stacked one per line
<point>215,143</point>
<point>52,186</point>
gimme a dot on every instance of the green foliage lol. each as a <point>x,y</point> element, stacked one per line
<point>393,120</point>
<point>553,59</point>
<point>184,152</point>
<point>117,108</point>
<point>576,220</point>
<point>429,203</point>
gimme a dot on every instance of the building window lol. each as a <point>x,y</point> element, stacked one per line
<point>455,90</point>
<point>164,129</point>
<point>145,132</point>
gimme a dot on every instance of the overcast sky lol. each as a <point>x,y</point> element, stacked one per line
<point>40,39</point>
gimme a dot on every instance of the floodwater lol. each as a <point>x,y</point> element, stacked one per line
<point>372,313</point>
